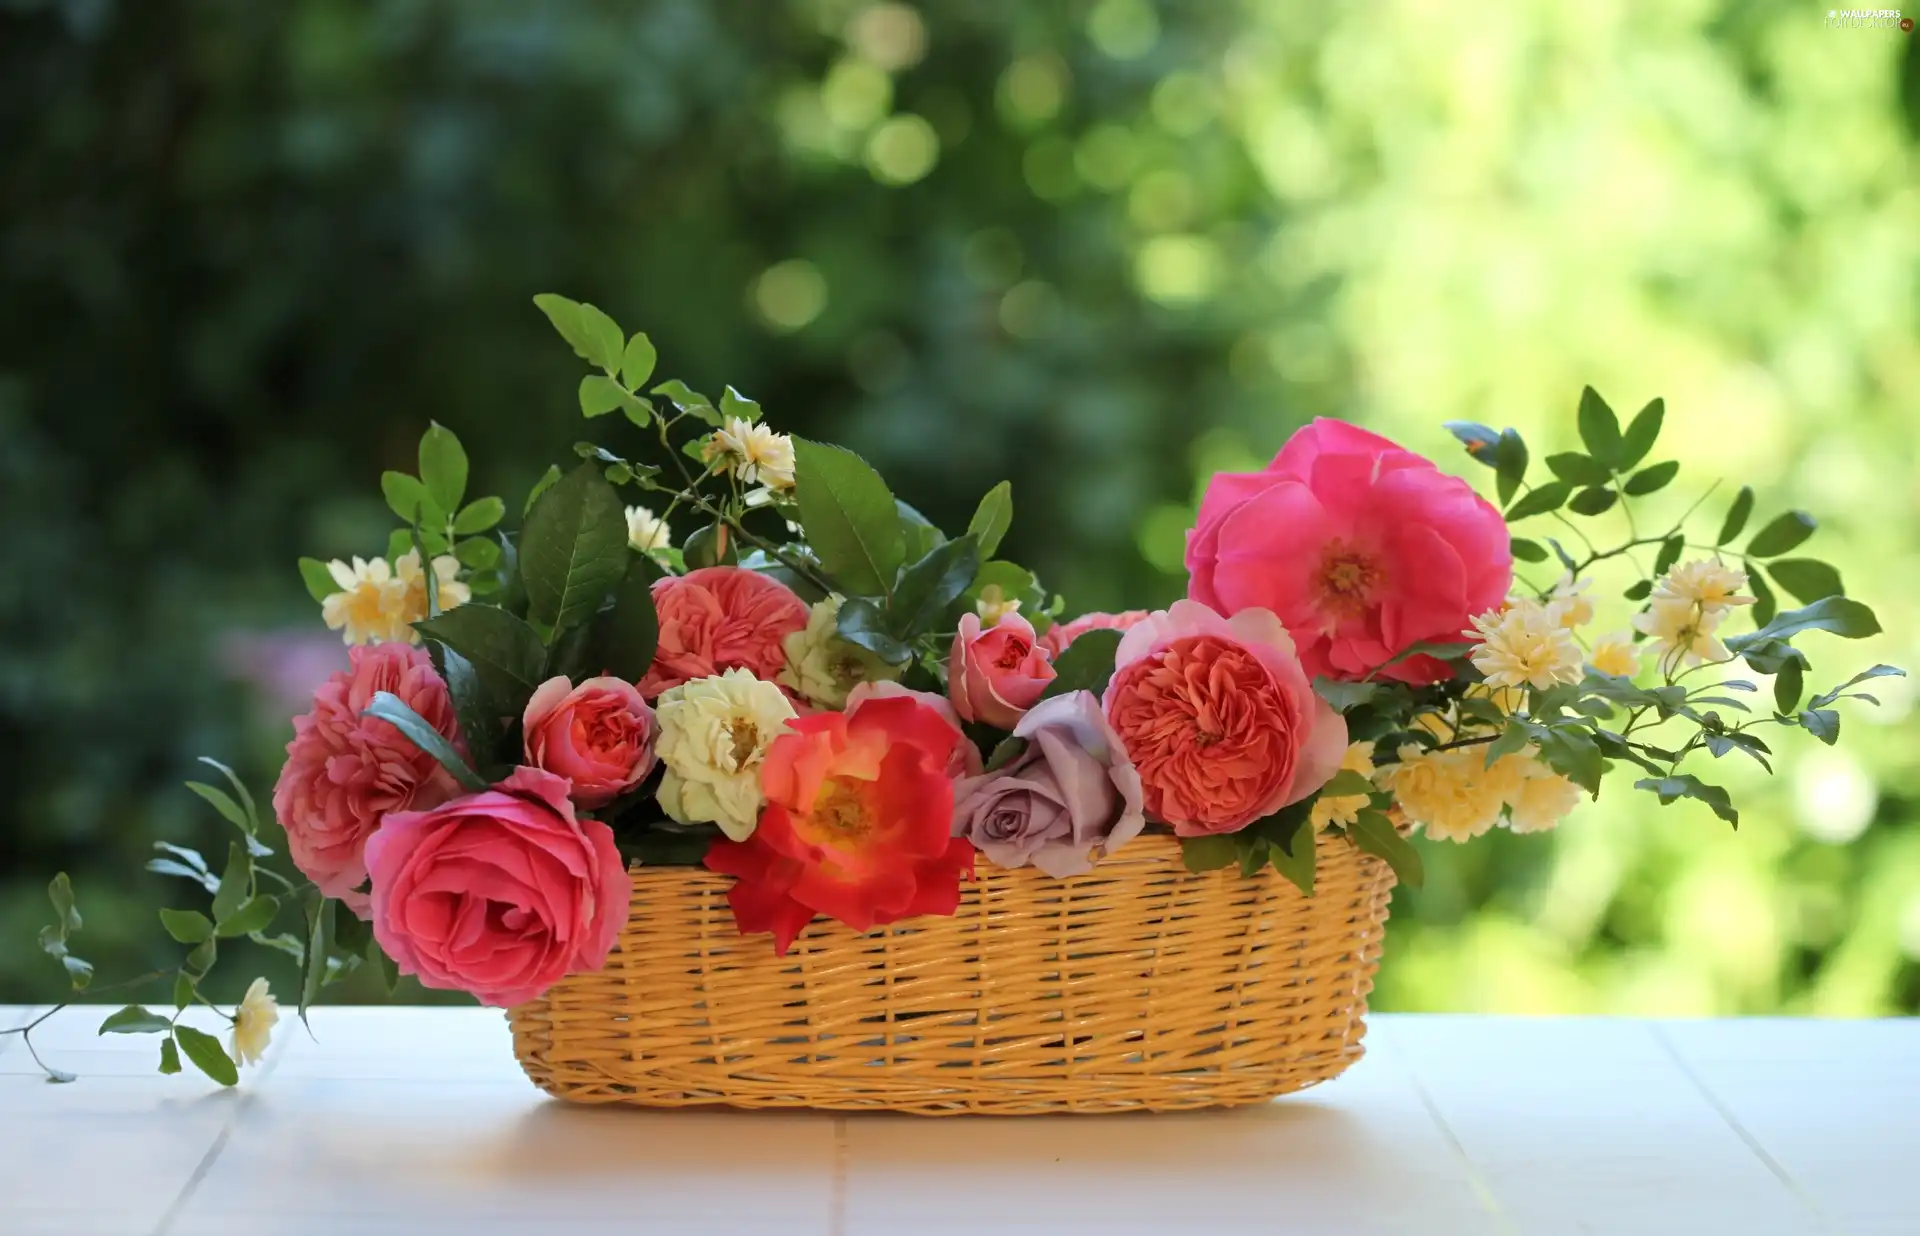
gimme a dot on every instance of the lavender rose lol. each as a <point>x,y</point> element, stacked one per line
<point>1072,796</point>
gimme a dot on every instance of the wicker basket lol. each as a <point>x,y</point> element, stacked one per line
<point>1137,986</point>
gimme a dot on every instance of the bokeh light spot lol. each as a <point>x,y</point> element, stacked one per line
<point>790,294</point>
<point>902,150</point>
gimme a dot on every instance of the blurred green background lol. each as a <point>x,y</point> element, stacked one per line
<point>1101,248</point>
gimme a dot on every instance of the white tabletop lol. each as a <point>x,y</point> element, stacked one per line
<point>414,1121</point>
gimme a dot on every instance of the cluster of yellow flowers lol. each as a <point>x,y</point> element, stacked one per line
<point>1454,795</point>
<point>377,603</point>
<point>1688,604</point>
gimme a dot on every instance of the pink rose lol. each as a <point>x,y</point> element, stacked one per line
<point>501,893</point>
<point>598,735</point>
<point>1363,550</point>
<point>1219,719</point>
<point>997,674</point>
<point>1060,635</point>
<point>965,760</point>
<point>345,772</point>
<point>720,618</point>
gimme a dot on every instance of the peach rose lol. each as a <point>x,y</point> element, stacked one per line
<point>598,735</point>
<point>720,618</point>
<point>1061,634</point>
<point>344,772</point>
<point>501,893</point>
<point>1219,718</point>
<point>997,674</point>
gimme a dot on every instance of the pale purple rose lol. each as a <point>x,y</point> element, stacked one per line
<point>1072,796</point>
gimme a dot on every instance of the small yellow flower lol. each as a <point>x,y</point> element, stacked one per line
<point>1345,809</point>
<point>1541,799</point>
<point>1682,632</point>
<point>646,531</point>
<point>253,1022</point>
<point>1706,582</point>
<point>1447,793</point>
<point>755,453</point>
<point>368,607</point>
<point>994,604</point>
<point>822,666</point>
<point>1525,644</point>
<point>714,735</point>
<point>1569,605</point>
<point>1615,654</point>
<point>413,581</point>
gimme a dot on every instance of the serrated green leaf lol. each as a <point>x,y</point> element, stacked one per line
<point>1781,534</point>
<point>1540,500</point>
<point>928,586</point>
<point>393,710</point>
<point>1086,665</point>
<point>1651,479</point>
<point>443,467</point>
<point>637,361</point>
<point>1599,429</point>
<point>849,516</point>
<point>1806,579</point>
<point>1202,854</point>
<point>1641,435</point>
<point>992,518</point>
<point>187,926</point>
<point>1376,835</point>
<point>135,1020</point>
<point>861,624</point>
<point>1593,500</point>
<point>504,651</point>
<point>626,635</point>
<point>318,579</point>
<point>573,549</point>
<point>207,1055</point>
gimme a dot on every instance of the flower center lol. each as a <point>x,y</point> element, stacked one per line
<point>1347,577</point>
<point>1013,653</point>
<point>840,812</point>
<point>745,736</point>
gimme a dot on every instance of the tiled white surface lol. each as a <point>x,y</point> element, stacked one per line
<point>409,1122</point>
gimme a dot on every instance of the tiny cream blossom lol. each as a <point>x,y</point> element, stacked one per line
<point>1525,644</point>
<point>369,606</point>
<point>714,735</point>
<point>822,666</point>
<point>994,604</point>
<point>646,531</point>
<point>1568,603</point>
<point>1346,808</point>
<point>1706,582</point>
<point>1615,654</point>
<point>413,581</point>
<point>1682,632</point>
<point>253,1022</point>
<point>753,452</point>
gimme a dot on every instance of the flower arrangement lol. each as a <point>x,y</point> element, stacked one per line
<point>749,655</point>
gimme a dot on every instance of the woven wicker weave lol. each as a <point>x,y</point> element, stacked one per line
<point>1140,985</point>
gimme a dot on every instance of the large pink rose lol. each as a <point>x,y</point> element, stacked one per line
<point>1062,634</point>
<point>598,735</point>
<point>501,893</point>
<point>344,772</point>
<point>720,618</point>
<point>1218,717</point>
<point>1363,549</point>
<point>997,674</point>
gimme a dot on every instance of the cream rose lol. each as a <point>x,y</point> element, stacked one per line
<point>822,666</point>
<point>714,735</point>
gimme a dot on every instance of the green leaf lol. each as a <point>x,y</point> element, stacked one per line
<point>183,989</point>
<point>710,545</point>
<point>383,966</point>
<point>1650,479</point>
<point>1593,500</point>
<point>1376,835</point>
<point>1346,784</point>
<point>1787,685</point>
<point>1669,554</point>
<point>1086,665</point>
<point>849,517</point>
<point>1822,723</point>
<point>207,1055</point>
<point>1014,581</point>
<point>1878,671</point>
<point>1806,579</point>
<point>548,480</point>
<point>861,624</point>
<point>443,466</point>
<point>1294,858</point>
<point>284,942</point>
<point>1540,500</point>
<point>637,361</point>
<point>1781,535</point>
<point>626,635</point>
<point>734,404</point>
<point>1765,605</point>
<point>1638,590</point>
<point>1481,442</point>
<point>1570,751</point>
<point>688,400</point>
<point>505,652</point>
<point>1600,429</point>
<point>400,541</point>
<point>1344,696</point>
<point>1202,854</point>
<point>256,915</point>
<point>477,554</point>
<point>606,342</point>
<point>66,919</point>
<point>408,498</point>
<point>1845,618</point>
<point>187,926</point>
<point>390,708</point>
<point>319,581</point>
<point>1641,435</point>
<point>240,792</point>
<point>236,882</point>
<point>1513,739</point>
<point>320,917</point>
<point>992,518</point>
<point>1578,469</point>
<point>167,867</point>
<point>565,316</point>
<point>479,515</point>
<point>1005,752</point>
<point>920,533</point>
<point>928,586</point>
<point>1686,785</point>
<point>222,803</point>
<point>1736,515</point>
<point>169,1057</point>
<point>1528,551</point>
<point>573,549</point>
<point>135,1020</point>
<point>600,395</point>
<point>1509,464</point>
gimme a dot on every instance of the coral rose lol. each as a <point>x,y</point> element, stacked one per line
<point>1061,634</point>
<point>344,772</point>
<point>997,674</point>
<point>1363,550</point>
<point>857,823</point>
<point>1219,719</point>
<point>501,893</point>
<point>598,735</point>
<point>965,760</point>
<point>720,618</point>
